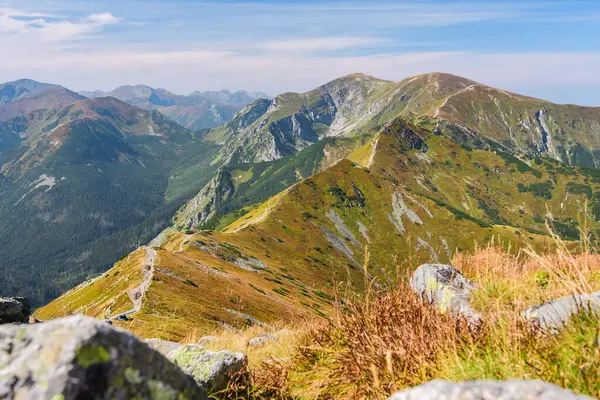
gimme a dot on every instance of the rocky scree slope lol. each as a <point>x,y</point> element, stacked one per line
<point>407,189</point>
<point>268,130</point>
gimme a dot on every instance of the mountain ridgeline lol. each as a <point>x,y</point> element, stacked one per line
<point>359,180</point>
<point>195,111</point>
<point>466,111</point>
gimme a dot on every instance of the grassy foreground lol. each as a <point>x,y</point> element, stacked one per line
<point>391,341</point>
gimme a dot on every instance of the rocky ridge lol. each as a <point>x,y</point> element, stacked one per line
<point>465,110</point>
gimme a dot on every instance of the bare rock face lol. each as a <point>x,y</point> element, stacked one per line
<point>211,370</point>
<point>14,310</point>
<point>487,390</point>
<point>445,287</point>
<point>84,358</point>
<point>555,314</point>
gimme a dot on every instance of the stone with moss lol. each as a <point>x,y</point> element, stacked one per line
<point>84,358</point>
<point>211,370</point>
<point>445,287</point>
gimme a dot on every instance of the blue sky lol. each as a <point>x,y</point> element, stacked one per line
<point>540,48</point>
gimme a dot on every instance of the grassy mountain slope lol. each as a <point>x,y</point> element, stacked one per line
<point>287,128</point>
<point>239,186</point>
<point>86,183</point>
<point>408,196</point>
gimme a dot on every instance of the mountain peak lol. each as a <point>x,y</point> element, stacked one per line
<point>22,89</point>
<point>442,81</point>
<point>29,83</point>
<point>359,76</point>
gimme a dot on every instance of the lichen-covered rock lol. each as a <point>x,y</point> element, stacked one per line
<point>211,370</point>
<point>554,315</point>
<point>445,287</point>
<point>487,390</point>
<point>261,340</point>
<point>14,310</point>
<point>83,358</point>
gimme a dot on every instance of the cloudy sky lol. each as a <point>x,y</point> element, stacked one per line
<point>549,49</point>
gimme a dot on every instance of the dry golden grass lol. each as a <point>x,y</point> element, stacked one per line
<point>277,350</point>
<point>512,281</point>
<point>371,347</point>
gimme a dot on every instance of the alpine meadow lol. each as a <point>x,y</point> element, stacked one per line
<point>367,230</point>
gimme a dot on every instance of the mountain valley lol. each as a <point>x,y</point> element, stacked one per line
<point>354,167</point>
<point>406,189</point>
<point>87,183</point>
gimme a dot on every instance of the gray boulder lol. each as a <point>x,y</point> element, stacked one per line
<point>554,315</point>
<point>14,310</point>
<point>203,341</point>
<point>487,390</point>
<point>211,370</point>
<point>84,358</point>
<point>444,286</point>
<point>262,340</point>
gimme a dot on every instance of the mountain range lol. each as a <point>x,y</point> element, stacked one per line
<point>467,111</point>
<point>195,111</point>
<point>309,196</point>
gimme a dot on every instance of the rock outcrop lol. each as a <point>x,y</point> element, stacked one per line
<point>14,310</point>
<point>83,358</point>
<point>262,340</point>
<point>555,314</point>
<point>445,287</point>
<point>212,371</point>
<point>487,390</point>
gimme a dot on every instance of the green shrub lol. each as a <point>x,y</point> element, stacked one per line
<point>579,188</point>
<point>543,189</point>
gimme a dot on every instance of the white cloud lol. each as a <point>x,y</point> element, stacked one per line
<point>16,13</point>
<point>9,25</point>
<point>34,26</point>
<point>102,19</point>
